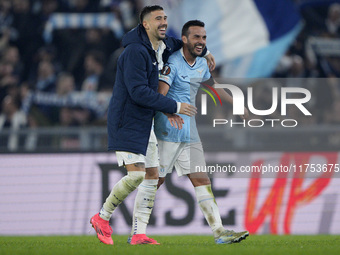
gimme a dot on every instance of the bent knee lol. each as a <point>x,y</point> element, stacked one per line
<point>136,177</point>
<point>151,173</point>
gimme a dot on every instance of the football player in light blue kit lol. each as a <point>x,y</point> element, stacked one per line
<point>180,80</point>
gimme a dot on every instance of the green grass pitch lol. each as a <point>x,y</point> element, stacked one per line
<point>188,244</point>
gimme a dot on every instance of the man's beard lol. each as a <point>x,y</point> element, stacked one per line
<point>192,51</point>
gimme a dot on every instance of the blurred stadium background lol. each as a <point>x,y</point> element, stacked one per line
<point>57,71</point>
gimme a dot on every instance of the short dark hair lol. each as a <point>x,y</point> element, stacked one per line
<point>148,9</point>
<point>191,23</point>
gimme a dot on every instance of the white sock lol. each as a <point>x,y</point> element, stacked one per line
<point>144,202</point>
<point>207,203</point>
<point>120,191</point>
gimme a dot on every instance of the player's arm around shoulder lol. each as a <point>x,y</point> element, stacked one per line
<point>210,60</point>
<point>173,43</point>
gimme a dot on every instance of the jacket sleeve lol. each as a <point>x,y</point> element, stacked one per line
<point>177,44</point>
<point>137,83</point>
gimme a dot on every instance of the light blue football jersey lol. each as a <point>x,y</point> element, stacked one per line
<point>184,81</point>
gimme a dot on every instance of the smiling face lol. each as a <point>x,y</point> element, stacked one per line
<point>155,24</point>
<point>195,41</point>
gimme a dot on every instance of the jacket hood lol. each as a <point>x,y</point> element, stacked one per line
<point>137,35</point>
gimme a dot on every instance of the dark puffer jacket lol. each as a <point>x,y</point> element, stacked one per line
<point>135,99</point>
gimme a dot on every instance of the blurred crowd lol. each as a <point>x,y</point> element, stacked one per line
<point>316,54</point>
<point>316,50</point>
<point>64,82</point>
<point>68,81</point>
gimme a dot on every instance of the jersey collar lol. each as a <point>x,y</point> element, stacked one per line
<point>186,59</point>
